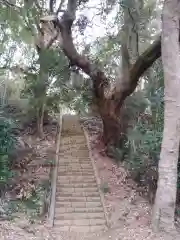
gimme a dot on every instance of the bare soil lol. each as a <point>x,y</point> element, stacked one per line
<point>32,166</point>
<point>129,213</point>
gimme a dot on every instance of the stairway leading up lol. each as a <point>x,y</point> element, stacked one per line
<point>78,205</point>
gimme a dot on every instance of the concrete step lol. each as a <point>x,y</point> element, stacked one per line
<point>74,180</point>
<point>77,199</point>
<point>76,185</point>
<point>80,179</point>
<point>73,160</point>
<point>78,194</point>
<point>74,147</point>
<point>68,169</point>
<point>77,204</point>
<point>79,215</point>
<point>77,189</point>
<point>87,165</point>
<point>75,173</point>
<point>79,210</point>
<point>79,143</point>
<point>78,229</point>
<point>81,222</point>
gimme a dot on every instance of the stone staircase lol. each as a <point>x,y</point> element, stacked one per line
<point>78,204</point>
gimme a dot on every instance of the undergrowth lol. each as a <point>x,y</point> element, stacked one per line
<point>7,143</point>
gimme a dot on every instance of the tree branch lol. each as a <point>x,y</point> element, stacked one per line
<point>51,5</point>
<point>144,61</point>
<point>99,78</point>
<point>9,4</point>
<point>60,6</point>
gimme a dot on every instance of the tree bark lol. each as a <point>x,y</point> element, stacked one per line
<point>40,95</point>
<point>40,119</point>
<point>165,200</point>
<point>44,41</point>
<point>111,122</point>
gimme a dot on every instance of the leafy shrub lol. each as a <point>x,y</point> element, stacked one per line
<point>143,143</point>
<point>7,141</point>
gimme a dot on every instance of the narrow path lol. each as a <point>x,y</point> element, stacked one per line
<point>78,204</point>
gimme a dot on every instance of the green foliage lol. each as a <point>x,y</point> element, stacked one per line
<point>144,139</point>
<point>142,143</point>
<point>7,141</point>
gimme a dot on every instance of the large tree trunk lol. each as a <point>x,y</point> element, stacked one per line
<point>40,92</point>
<point>111,122</point>
<point>44,41</point>
<point>165,200</point>
<point>40,120</point>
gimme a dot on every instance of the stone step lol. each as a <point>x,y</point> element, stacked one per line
<point>74,147</point>
<point>77,160</point>
<point>69,180</point>
<point>64,163</point>
<point>77,215</point>
<point>75,169</point>
<point>81,222</point>
<point>73,155</point>
<point>76,166</point>
<point>78,204</point>
<point>79,229</point>
<point>70,162</point>
<point>77,189</point>
<point>76,152</point>
<point>80,143</point>
<point>73,138</point>
<point>76,185</point>
<point>81,179</point>
<point>79,210</point>
<point>77,194</point>
<point>77,199</point>
<point>75,173</point>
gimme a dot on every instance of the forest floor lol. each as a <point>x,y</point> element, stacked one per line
<point>129,213</point>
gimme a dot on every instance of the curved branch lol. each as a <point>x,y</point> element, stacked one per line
<point>99,78</point>
<point>144,61</point>
<point>100,81</point>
